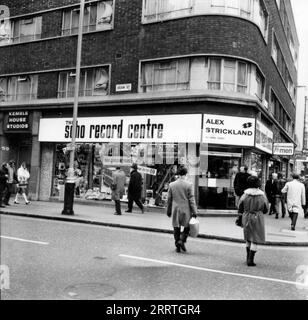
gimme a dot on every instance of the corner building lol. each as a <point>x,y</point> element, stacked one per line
<point>206,83</point>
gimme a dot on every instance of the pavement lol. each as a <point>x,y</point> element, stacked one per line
<point>214,224</point>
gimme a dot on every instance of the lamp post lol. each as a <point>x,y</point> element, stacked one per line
<point>70,181</point>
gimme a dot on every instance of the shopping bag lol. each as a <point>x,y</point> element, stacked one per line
<point>193,227</point>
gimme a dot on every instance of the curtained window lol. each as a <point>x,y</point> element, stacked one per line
<point>25,30</point>
<point>214,74</point>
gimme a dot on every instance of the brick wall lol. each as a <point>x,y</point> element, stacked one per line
<point>130,41</point>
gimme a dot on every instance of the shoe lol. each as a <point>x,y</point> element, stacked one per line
<point>276,217</point>
<point>28,202</point>
<point>250,262</point>
<point>117,214</point>
<point>178,248</point>
<point>128,211</point>
<point>16,202</point>
<point>2,206</point>
<point>182,245</point>
<point>292,228</point>
<point>7,204</point>
<point>283,215</point>
<point>142,211</point>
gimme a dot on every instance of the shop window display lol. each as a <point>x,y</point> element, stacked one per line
<point>95,163</point>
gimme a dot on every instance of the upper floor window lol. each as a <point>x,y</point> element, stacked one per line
<point>20,30</point>
<point>166,75</point>
<point>202,73</point>
<point>156,10</point>
<point>27,29</point>
<point>93,82</point>
<point>275,49</point>
<point>97,16</point>
<point>18,88</point>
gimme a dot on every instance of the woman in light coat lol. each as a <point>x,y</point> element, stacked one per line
<point>181,206</point>
<point>252,206</point>
<point>23,176</point>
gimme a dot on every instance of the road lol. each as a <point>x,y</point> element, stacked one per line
<point>63,260</point>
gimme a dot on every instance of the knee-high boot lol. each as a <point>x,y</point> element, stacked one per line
<point>250,262</point>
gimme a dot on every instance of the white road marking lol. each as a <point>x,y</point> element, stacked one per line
<point>213,270</point>
<point>24,240</point>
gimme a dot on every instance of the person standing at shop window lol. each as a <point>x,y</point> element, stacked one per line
<point>296,198</point>
<point>181,206</point>
<point>273,194</point>
<point>134,189</point>
<point>12,179</point>
<point>240,182</point>
<point>23,176</point>
<point>252,205</point>
<point>3,183</point>
<point>117,187</point>
<point>282,196</point>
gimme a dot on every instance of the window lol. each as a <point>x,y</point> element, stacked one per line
<point>97,16</point>
<point>275,49</point>
<point>92,82</point>
<point>260,85</point>
<point>18,88</point>
<point>233,74</point>
<point>5,32</point>
<point>25,30</point>
<point>166,75</point>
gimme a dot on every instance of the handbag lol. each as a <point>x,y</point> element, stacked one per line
<point>238,221</point>
<point>193,227</point>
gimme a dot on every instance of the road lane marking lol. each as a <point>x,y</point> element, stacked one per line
<point>24,240</point>
<point>213,270</point>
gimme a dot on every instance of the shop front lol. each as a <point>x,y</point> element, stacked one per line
<point>157,143</point>
<point>225,141</point>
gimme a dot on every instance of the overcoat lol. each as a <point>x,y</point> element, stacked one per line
<point>135,185</point>
<point>252,205</point>
<point>181,203</point>
<point>119,179</point>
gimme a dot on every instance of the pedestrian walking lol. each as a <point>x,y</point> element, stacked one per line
<point>12,179</point>
<point>252,207</point>
<point>181,206</point>
<point>3,183</point>
<point>281,183</point>
<point>306,194</point>
<point>240,183</point>
<point>23,176</point>
<point>296,198</point>
<point>118,188</point>
<point>134,189</point>
<point>273,194</point>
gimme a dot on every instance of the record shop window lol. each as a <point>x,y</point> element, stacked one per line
<point>93,82</point>
<point>97,16</point>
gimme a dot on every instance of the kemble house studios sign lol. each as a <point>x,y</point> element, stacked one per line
<point>17,121</point>
<point>157,128</point>
<point>237,131</point>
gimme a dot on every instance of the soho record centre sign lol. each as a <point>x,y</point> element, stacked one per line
<point>152,128</point>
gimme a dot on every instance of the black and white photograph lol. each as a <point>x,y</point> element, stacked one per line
<point>154,153</point>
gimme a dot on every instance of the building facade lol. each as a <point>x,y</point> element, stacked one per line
<point>206,83</point>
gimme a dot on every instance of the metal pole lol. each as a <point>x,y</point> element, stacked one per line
<point>70,181</point>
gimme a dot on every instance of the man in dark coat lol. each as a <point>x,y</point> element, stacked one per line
<point>3,183</point>
<point>134,189</point>
<point>273,194</point>
<point>240,182</point>
<point>12,179</point>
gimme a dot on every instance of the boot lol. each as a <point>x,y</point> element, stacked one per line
<point>250,262</point>
<point>182,245</point>
<point>247,256</point>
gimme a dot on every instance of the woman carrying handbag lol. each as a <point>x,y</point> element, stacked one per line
<point>23,176</point>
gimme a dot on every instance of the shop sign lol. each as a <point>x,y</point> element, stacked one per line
<point>157,128</point>
<point>228,130</point>
<point>264,138</point>
<point>283,149</point>
<point>17,121</point>
<point>147,170</point>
